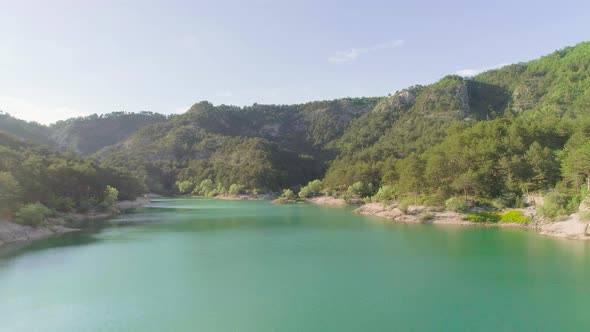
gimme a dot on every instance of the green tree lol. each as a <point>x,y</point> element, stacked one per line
<point>576,166</point>
<point>10,192</point>
<point>33,214</point>
<point>110,196</point>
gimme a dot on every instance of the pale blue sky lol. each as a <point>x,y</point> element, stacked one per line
<point>64,58</point>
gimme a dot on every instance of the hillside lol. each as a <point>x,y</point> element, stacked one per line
<point>82,135</point>
<point>491,138</point>
<point>262,147</point>
<point>497,135</point>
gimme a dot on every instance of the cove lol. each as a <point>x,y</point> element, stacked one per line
<point>213,265</point>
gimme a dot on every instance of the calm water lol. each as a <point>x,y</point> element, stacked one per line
<point>209,265</point>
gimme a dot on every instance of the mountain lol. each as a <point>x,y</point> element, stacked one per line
<point>88,134</point>
<point>27,131</point>
<point>490,138</point>
<point>82,135</point>
<point>263,147</point>
<point>501,133</point>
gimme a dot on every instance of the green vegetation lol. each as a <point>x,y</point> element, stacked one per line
<point>34,178</point>
<point>33,214</point>
<point>491,217</point>
<point>456,204</point>
<point>486,141</point>
<point>556,204</point>
<point>515,217</point>
<point>313,188</point>
<point>287,197</point>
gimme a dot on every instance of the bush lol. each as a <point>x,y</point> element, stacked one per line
<point>505,200</point>
<point>236,189</point>
<point>515,216</point>
<point>456,204</point>
<point>33,214</point>
<point>64,204</point>
<point>110,197</point>
<point>483,217</point>
<point>426,217</point>
<point>313,188</point>
<point>185,187</point>
<point>404,207</point>
<point>385,194</point>
<point>288,194</point>
<point>360,189</point>
<point>555,204</point>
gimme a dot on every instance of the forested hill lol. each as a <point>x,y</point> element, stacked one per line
<point>492,137</point>
<point>82,135</point>
<point>260,147</point>
<point>499,134</point>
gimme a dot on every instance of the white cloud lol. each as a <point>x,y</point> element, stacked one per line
<point>474,71</point>
<point>354,53</point>
<point>30,111</point>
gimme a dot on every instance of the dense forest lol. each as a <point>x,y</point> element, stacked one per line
<point>488,140</point>
<point>36,182</point>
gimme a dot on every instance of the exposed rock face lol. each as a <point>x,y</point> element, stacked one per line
<point>400,100</point>
<point>572,228</point>
<point>463,98</point>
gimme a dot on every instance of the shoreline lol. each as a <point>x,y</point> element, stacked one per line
<point>12,232</point>
<point>572,228</point>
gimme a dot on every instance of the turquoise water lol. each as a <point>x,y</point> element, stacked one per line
<point>211,265</point>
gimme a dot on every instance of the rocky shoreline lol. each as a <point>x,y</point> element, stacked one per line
<point>571,228</point>
<point>12,232</point>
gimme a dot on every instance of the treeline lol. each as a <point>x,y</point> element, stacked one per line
<point>36,182</point>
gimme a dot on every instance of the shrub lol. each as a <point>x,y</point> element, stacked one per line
<point>64,204</point>
<point>515,216</point>
<point>483,217</point>
<point>110,196</point>
<point>504,201</point>
<point>313,188</point>
<point>185,187</point>
<point>288,194</point>
<point>33,214</point>
<point>555,204</point>
<point>360,189</point>
<point>236,189</point>
<point>404,207</point>
<point>426,217</point>
<point>385,194</point>
<point>456,204</point>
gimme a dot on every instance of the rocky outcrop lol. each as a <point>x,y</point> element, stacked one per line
<point>326,200</point>
<point>414,214</point>
<point>572,228</point>
<point>12,232</point>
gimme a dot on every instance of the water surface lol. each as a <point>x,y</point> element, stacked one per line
<point>211,265</point>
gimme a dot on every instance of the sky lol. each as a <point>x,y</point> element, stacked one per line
<point>60,59</point>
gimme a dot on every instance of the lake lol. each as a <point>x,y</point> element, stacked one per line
<point>213,265</point>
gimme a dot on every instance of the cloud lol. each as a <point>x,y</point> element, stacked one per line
<point>355,53</point>
<point>30,111</point>
<point>475,71</point>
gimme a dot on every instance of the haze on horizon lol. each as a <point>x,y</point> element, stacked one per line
<point>72,58</point>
